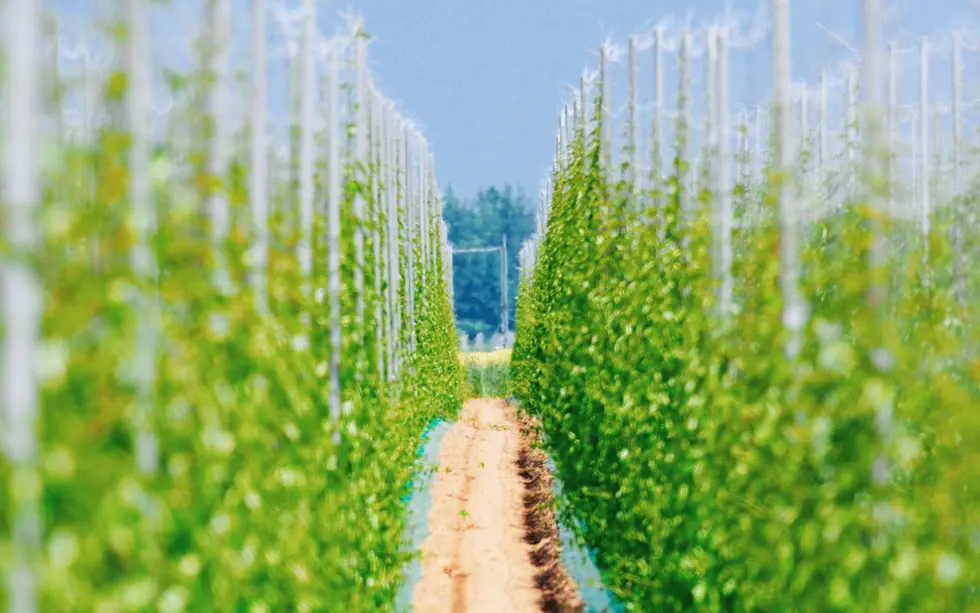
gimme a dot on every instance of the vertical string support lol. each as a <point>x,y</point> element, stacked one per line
<point>658,113</point>
<point>142,219</point>
<point>334,195</point>
<point>307,84</point>
<point>852,129</point>
<point>375,164</point>
<point>824,129</point>
<point>22,302</point>
<point>793,309</point>
<point>217,102</point>
<point>605,116</point>
<point>258,192</point>
<point>893,125</point>
<point>723,187</point>
<point>924,175</point>
<point>956,65</point>
<point>710,150</point>
<point>874,156</point>
<point>361,138</point>
<point>423,212</point>
<point>684,123</point>
<point>410,211</point>
<point>634,133</point>
<point>393,193</point>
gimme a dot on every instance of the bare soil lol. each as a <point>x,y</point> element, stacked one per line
<point>493,546</point>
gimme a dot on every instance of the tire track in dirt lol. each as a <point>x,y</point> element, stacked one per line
<point>476,558</point>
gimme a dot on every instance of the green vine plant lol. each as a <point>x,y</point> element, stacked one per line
<point>709,472</point>
<point>258,499</point>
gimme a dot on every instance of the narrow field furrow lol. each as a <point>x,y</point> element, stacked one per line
<point>480,556</point>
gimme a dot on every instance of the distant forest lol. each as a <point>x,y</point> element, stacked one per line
<point>482,222</point>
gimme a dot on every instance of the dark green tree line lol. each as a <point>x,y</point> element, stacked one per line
<point>482,222</point>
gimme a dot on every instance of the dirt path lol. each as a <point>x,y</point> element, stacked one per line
<point>476,559</point>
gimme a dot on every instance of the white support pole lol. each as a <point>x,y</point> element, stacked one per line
<point>684,123</point>
<point>258,193</point>
<point>217,103</point>
<point>423,213</point>
<point>760,145</point>
<point>376,163</point>
<point>956,62</point>
<point>658,116</point>
<point>434,208</point>
<point>793,310</point>
<point>410,234</point>
<point>893,125</point>
<point>710,151</point>
<point>361,162</point>
<point>605,115</point>
<point>392,195</point>
<point>873,156</point>
<point>634,133</point>
<point>805,124</point>
<point>307,86</point>
<point>143,214</point>
<point>824,127</point>
<point>724,187</point>
<point>334,196</point>
<point>851,130</point>
<point>22,298</point>
<point>924,113</point>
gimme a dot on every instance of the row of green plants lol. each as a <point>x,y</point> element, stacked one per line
<point>709,472</point>
<point>487,374</point>
<point>259,502</point>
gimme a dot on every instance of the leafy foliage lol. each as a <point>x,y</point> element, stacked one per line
<point>487,374</point>
<point>710,472</point>
<point>260,501</point>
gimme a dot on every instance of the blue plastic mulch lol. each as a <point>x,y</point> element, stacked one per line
<point>418,504</point>
<point>579,562</point>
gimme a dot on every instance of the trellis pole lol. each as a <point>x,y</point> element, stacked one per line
<point>851,132</point>
<point>658,114</point>
<point>924,174</point>
<point>334,195</point>
<point>394,235</point>
<point>874,152</point>
<point>143,213</point>
<point>22,298</point>
<point>724,187</point>
<point>824,129</point>
<point>684,123</point>
<point>376,164</point>
<point>423,212</point>
<point>605,116</point>
<point>634,128</point>
<point>794,313</point>
<point>410,240</point>
<point>956,62</point>
<point>307,84</point>
<point>258,192</point>
<point>217,102</point>
<point>361,139</point>
<point>893,127</point>
<point>957,78</point>
<point>710,150</point>
<point>761,144</point>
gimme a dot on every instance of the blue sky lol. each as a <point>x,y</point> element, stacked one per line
<point>485,78</point>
